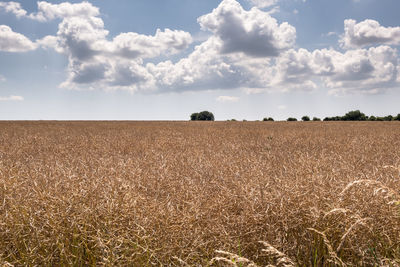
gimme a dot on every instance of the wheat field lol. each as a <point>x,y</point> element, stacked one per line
<point>199,193</point>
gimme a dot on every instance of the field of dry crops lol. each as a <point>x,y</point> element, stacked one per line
<point>200,193</point>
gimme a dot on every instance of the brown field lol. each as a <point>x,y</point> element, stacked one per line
<point>173,193</point>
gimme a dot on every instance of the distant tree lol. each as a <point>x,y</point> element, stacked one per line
<point>205,116</point>
<point>372,118</point>
<point>388,118</point>
<point>305,118</point>
<point>316,119</point>
<point>380,119</point>
<point>194,116</point>
<point>291,119</point>
<point>354,115</point>
<point>202,116</point>
<point>397,118</point>
<point>268,119</point>
<point>338,118</point>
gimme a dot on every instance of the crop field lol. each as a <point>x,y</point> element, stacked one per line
<point>200,193</point>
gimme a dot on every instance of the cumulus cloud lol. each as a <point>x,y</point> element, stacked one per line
<point>227,99</point>
<point>47,11</point>
<point>246,49</point>
<point>96,61</point>
<point>211,67</point>
<point>254,32</point>
<point>11,41</point>
<point>361,70</point>
<point>203,69</point>
<point>229,58</point>
<point>134,45</point>
<point>368,32</point>
<point>11,98</point>
<point>14,8</point>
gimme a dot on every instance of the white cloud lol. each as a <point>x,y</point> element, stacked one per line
<point>360,70</point>
<point>203,69</point>
<point>368,32</point>
<point>95,61</point>
<point>225,99</point>
<point>210,67</point>
<point>282,107</point>
<point>14,8</point>
<point>12,98</point>
<point>48,11</point>
<point>363,70</point>
<point>263,3</point>
<point>329,34</point>
<point>11,41</point>
<point>254,32</point>
<point>266,3</point>
<point>244,49</point>
<point>133,45</point>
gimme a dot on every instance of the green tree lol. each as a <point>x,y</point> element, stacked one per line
<point>388,118</point>
<point>291,119</point>
<point>202,116</point>
<point>305,118</point>
<point>354,115</point>
<point>194,116</point>
<point>316,119</point>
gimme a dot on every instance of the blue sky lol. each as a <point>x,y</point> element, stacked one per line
<point>163,60</point>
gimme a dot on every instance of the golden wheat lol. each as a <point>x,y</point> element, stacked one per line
<point>174,193</point>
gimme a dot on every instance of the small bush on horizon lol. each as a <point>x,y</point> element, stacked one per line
<point>268,119</point>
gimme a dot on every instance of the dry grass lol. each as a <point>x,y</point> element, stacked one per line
<point>198,193</point>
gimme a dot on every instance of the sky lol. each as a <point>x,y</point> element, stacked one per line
<point>166,59</point>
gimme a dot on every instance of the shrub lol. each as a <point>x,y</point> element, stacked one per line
<point>305,118</point>
<point>268,119</point>
<point>291,119</point>
<point>316,119</point>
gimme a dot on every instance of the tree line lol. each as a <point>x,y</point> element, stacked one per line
<point>354,115</point>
